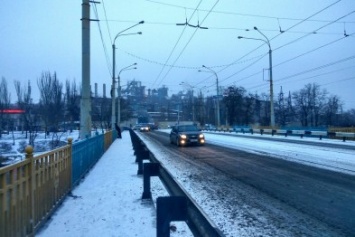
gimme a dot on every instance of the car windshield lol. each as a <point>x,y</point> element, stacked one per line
<point>187,128</point>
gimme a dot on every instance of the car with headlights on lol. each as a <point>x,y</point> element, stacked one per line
<point>182,135</point>
<point>144,128</point>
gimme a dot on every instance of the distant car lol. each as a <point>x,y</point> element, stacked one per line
<point>144,128</point>
<point>182,135</point>
<point>210,127</point>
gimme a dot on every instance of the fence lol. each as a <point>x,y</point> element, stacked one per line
<point>31,190</point>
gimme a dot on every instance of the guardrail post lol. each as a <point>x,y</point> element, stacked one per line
<point>150,169</point>
<point>141,154</point>
<point>169,209</point>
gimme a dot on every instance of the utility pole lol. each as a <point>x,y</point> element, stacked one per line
<point>85,102</point>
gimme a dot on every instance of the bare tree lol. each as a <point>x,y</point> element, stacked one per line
<point>281,111</point>
<point>51,101</point>
<point>331,109</point>
<point>249,107</point>
<point>309,102</point>
<point>30,117</point>
<point>348,119</point>
<point>234,99</point>
<point>72,102</point>
<point>200,109</point>
<point>5,99</point>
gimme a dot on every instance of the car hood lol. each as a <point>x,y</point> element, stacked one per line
<point>190,132</point>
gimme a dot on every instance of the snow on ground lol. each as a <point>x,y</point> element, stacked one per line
<point>342,160</point>
<point>238,209</point>
<point>108,201</point>
<point>12,145</point>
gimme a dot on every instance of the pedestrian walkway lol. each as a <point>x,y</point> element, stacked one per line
<point>108,201</point>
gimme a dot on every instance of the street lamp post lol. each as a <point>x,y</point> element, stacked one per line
<point>130,67</point>
<point>267,41</point>
<point>113,93</point>
<point>217,102</point>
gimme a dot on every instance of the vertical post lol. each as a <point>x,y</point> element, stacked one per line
<point>119,100</point>
<point>272,113</point>
<point>217,106</point>
<point>85,103</point>
<point>32,183</point>
<point>70,143</point>
<point>113,90</point>
<point>193,106</point>
<point>170,209</point>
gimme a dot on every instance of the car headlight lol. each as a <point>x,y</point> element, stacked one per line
<point>183,136</point>
<point>201,136</point>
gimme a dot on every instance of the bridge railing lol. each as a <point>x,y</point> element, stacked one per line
<point>179,206</point>
<point>332,133</point>
<point>31,190</point>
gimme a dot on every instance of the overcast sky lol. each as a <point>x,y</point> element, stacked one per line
<point>39,36</point>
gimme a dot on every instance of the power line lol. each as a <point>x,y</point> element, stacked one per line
<point>310,51</point>
<point>337,81</point>
<point>317,68</point>
<point>314,69</point>
<point>241,14</point>
<point>323,74</point>
<point>303,20</point>
<point>189,41</point>
<point>173,49</point>
<point>293,41</point>
<point>109,67</point>
<point>108,28</point>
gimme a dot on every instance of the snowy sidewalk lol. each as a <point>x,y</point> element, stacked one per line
<point>108,201</point>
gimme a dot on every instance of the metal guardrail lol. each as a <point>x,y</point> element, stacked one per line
<point>177,207</point>
<point>294,132</point>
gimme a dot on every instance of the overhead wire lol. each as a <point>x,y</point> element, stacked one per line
<point>188,42</point>
<point>177,42</point>
<point>329,23</point>
<point>240,14</point>
<point>310,77</point>
<point>109,66</point>
<point>317,68</point>
<point>107,26</point>
<point>312,70</point>
<point>310,51</point>
<point>303,20</point>
<point>174,66</point>
<point>314,14</point>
